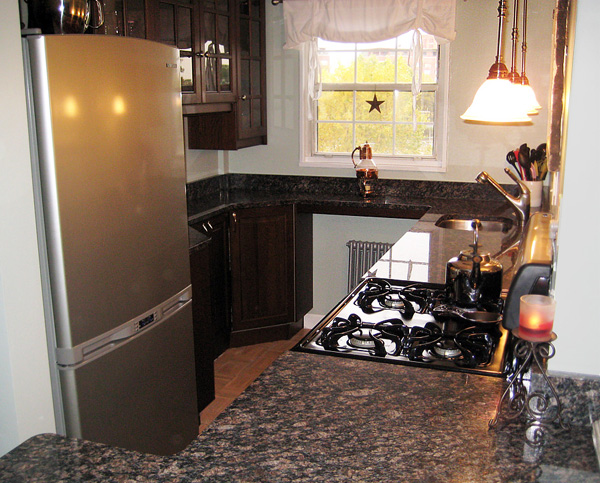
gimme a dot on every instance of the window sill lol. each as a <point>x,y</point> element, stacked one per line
<point>383,163</point>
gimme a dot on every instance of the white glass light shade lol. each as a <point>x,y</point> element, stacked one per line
<point>495,102</point>
<point>526,96</point>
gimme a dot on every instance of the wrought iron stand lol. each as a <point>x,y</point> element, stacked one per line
<point>536,406</point>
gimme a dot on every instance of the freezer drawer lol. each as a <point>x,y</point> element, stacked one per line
<point>140,396</point>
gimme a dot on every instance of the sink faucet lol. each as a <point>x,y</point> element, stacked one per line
<point>520,203</point>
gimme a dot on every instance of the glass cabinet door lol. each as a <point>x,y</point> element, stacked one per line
<point>216,29</point>
<point>176,26</point>
<point>251,108</point>
<point>124,17</point>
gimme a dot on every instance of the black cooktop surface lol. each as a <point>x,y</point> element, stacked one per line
<point>400,322</point>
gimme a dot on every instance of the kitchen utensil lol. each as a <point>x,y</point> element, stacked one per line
<point>512,160</point>
<point>542,162</point>
<point>525,162</point>
<point>63,16</point>
<point>473,278</point>
<point>366,170</point>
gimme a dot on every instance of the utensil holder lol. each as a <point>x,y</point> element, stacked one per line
<point>535,190</point>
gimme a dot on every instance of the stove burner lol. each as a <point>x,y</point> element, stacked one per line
<point>361,341</point>
<point>392,301</point>
<point>447,350</point>
<point>387,298</point>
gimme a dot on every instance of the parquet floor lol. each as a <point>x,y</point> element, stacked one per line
<point>237,368</point>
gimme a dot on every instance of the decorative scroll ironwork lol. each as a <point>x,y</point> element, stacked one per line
<point>540,409</point>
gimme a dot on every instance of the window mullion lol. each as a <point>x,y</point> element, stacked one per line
<point>337,114</point>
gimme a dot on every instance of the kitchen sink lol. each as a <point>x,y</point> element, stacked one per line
<point>488,223</point>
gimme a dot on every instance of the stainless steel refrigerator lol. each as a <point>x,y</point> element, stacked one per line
<point>109,176</point>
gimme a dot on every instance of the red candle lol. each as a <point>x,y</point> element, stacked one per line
<point>536,317</point>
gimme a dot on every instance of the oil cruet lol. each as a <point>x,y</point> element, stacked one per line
<point>366,170</point>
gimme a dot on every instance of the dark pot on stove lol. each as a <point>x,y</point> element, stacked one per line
<point>473,278</point>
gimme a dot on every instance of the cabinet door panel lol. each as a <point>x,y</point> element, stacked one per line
<point>262,267</point>
<point>204,330</point>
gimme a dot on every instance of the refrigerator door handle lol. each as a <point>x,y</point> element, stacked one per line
<point>182,300</point>
<point>71,357</point>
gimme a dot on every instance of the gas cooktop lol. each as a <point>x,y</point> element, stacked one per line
<point>411,323</point>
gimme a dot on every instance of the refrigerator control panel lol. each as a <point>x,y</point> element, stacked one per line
<point>147,320</point>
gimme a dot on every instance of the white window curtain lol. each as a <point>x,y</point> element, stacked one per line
<point>364,21</point>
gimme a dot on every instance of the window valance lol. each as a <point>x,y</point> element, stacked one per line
<point>366,20</point>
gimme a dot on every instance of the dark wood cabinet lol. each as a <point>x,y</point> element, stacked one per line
<point>203,33</point>
<point>204,332</point>
<point>222,62</point>
<point>259,270</point>
<point>217,275</point>
<point>246,123</point>
<point>217,229</point>
<point>262,274</point>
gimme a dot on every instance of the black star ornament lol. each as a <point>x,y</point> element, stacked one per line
<point>375,103</point>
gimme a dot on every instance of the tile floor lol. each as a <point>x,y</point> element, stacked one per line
<point>236,368</point>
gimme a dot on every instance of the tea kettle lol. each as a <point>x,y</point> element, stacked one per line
<point>366,170</point>
<point>473,278</point>
<point>63,16</point>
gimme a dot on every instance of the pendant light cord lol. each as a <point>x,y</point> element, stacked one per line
<point>524,43</point>
<point>499,70</point>
<point>514,75</point>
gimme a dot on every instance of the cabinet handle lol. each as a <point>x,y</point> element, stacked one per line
<point>209,225</point>
<point>244,97</point>
<point>234,217</point>
<point>199,54</point>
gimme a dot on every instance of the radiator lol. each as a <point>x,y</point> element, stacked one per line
<point>362,256</point>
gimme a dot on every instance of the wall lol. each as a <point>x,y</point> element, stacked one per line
<point>577,281</point>
<point>471,147</point>
<point>330,234</point>
<point>25,395</point>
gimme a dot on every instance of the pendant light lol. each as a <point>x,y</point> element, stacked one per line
<point>525,91</point>
<point>495,101</point>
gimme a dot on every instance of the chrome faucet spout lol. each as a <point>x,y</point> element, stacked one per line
<point>520,203</point>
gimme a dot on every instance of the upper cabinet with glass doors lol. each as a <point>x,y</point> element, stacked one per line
<point>222,62</point>
<point>122,17</point>
<point>201,30</point>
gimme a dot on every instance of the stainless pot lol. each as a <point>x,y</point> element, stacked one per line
<point>473,278</point>
<point>63,16</point>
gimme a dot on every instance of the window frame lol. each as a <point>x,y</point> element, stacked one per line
<point>436,163</point>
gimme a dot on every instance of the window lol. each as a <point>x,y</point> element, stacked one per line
<point>367,96</point>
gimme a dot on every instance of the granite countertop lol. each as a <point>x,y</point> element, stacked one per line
<point>320,418</point>
<point>422,201</point>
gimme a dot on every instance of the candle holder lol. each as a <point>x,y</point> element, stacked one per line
<point>537,406</point>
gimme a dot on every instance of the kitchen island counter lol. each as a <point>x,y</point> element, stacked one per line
<point>321,418</point>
